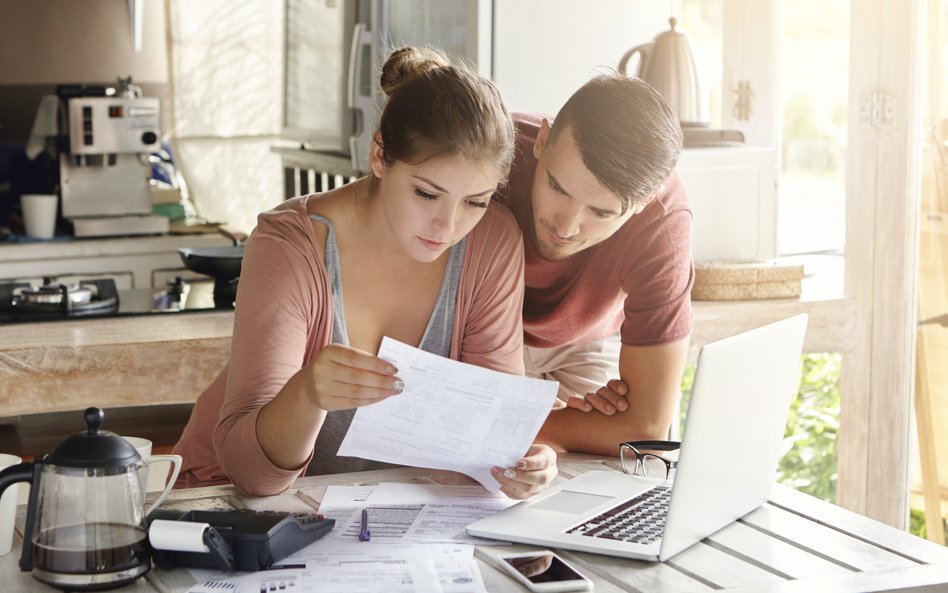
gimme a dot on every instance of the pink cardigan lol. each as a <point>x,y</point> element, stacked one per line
<point>284,318</point>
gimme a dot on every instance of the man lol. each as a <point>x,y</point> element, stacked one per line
<point>607,232</point>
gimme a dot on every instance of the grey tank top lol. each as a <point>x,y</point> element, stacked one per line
<point>436,340</point>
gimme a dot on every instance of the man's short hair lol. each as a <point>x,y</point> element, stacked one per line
<point>628,136</point>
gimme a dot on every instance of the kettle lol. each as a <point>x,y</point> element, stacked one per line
<point>669,65</point>
<point>85,522</point>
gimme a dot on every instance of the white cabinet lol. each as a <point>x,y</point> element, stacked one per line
<point>134,262</point>
<point>733,194</point>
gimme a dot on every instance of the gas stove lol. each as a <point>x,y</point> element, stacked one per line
<point>89,299</point>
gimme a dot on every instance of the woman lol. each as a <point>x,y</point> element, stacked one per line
<point>414,251</point>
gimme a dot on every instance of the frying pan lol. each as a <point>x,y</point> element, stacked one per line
<point>223,263</point>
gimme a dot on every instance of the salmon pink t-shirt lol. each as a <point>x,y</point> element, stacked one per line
<point>637,281</point>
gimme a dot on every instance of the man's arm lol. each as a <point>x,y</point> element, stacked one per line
<point>653,377</point>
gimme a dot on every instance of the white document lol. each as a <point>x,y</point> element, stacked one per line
<point>358,567</point>
<point>353,568</point>
<point>399,567</point>
<point>407,512</point>
<point>445,510</point>
<point>341,503</point>
<point>451,416</point>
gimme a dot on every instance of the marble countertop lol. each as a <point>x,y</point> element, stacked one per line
<point>117,330</point>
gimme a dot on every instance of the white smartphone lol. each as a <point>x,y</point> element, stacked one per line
<point>544,571</point>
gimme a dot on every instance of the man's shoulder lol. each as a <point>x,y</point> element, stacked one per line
<point>497,227</point>
<point>674,197</point>
<point>670,204</point>
<point>526,120</point>
<point>528,126</point>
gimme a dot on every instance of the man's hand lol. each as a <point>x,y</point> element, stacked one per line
<point>652,384</point>
<point>607,399</point>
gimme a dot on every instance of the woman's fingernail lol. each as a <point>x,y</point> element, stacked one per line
<point>496,470</point>
<point>391,370</point>
<point>522,464</point>
<point>399,386</point>
<point>510,474</point>
<point>610,409</point>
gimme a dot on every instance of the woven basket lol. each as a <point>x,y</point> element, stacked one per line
<point>729,281</point>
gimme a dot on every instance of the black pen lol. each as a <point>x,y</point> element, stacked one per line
<point>364,533</point>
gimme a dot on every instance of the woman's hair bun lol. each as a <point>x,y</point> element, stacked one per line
<point>408,62</point>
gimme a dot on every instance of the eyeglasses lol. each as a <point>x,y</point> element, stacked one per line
<point>637,461</point>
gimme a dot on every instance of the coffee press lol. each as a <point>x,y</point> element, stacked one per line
<point>85,528</point>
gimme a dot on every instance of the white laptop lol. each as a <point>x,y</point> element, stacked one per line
<point>727,464</point>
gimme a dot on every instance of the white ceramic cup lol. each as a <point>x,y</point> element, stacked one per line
<point>39,214</point>
<point>8,506</point>
<point>143,446</point>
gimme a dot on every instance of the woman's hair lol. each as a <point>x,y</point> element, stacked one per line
<point>436,109</point>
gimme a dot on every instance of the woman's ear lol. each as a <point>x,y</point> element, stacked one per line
<point>377,156</point>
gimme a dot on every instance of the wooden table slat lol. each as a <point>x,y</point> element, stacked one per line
<point>636,575</point>
<point>826,541</point>
<point>720,569</point>
<point>860,526</point>
<point>755,546</point>
<point>923,578</point>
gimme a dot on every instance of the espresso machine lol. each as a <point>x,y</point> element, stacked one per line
<point>104,169</point>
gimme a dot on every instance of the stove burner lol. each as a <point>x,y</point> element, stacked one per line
<point>51,300</point>
<point>55,294</point>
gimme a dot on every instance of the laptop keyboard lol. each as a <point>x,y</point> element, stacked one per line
<point>640,520</point>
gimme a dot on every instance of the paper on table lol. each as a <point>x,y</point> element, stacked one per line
<point>407,512</point>
<point>400,567</point>
<point>451,415</point>
<point>354,568</point>
<point>399,493</point>
<point>342,503</point>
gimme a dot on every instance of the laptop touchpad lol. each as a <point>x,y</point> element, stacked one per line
<point>566,501</point>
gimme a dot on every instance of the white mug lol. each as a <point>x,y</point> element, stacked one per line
<point>8,506</point>
<point>39,214</point>
<point>143,446</point>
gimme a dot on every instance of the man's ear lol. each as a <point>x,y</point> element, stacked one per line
<point>654,195</point>
<point>543,135</point>
<point>377,156</point>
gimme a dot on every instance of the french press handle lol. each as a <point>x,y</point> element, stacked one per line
<point>25,472</point>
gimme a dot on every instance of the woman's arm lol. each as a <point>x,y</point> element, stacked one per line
<point>284,376</point>
<point>278,322</point>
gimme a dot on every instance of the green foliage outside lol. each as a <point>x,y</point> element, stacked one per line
<point>808,457</point>
<point>917,524</point>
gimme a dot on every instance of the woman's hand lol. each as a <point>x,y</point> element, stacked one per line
<point>343,377</point>
<point>532,474</point>
<point>607,399</point>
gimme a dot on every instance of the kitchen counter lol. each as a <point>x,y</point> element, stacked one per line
<point>161,359</point>
<point>170,358</point>
<point>109,362</point>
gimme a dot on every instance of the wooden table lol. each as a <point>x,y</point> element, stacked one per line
<point>794,543</point>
